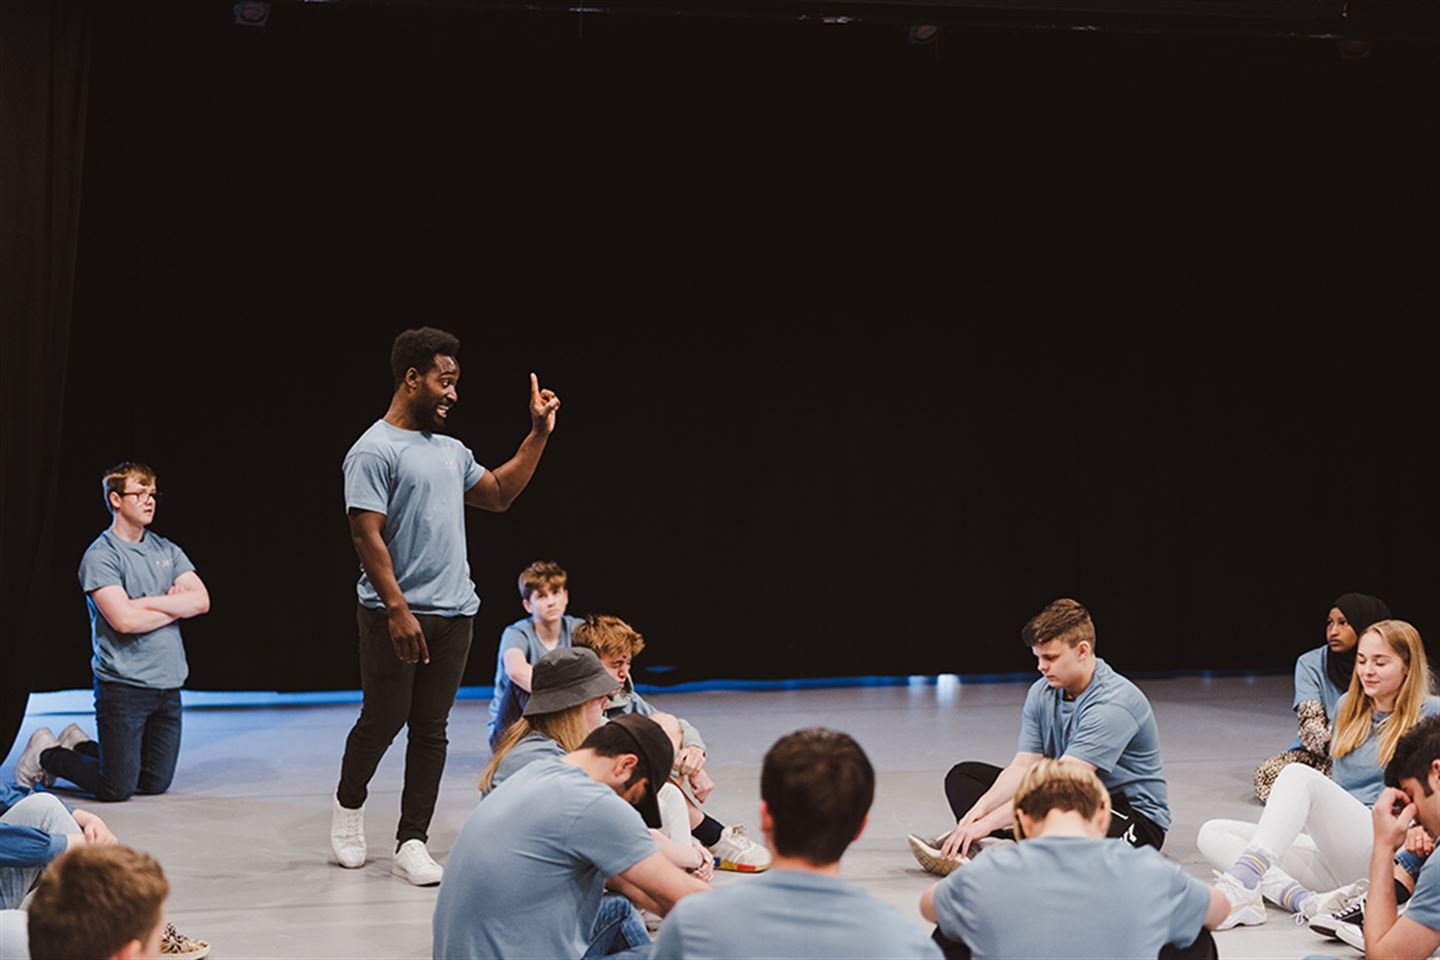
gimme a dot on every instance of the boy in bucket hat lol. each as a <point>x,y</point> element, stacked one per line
<point>529,869</point>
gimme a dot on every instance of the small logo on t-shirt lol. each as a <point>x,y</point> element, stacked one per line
<point>452,464</point>
<point>163,563</point>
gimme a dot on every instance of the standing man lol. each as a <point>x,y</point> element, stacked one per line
<point>138,587</point>
<point>406,487</point>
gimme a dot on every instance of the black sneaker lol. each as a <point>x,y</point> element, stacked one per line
<point>1330,924</point>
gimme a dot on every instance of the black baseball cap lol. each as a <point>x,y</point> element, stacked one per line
<point>657,757</point>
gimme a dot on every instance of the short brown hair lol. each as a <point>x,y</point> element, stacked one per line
<point>1063,619</point>
<point>91,901</point>
<point>817,785</point>
<point>608,637</point>
<point>543,575</point>
<point>114,479</point>
<point>1059,785</point>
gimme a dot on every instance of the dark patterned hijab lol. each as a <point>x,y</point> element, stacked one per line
<point>1360,610</point>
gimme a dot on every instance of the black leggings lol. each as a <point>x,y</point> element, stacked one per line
<point>1202,949</point>
<point>967,782</point>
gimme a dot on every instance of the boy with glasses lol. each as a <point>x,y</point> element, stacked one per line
<point>138,587</point>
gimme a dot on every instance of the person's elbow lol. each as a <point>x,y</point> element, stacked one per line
<point>202,603</point>
<point>927,904</point>
<point>1219,910</point>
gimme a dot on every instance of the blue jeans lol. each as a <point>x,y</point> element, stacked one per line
<point>139,743</point>
<point>619,931</point>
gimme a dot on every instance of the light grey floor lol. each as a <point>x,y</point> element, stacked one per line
<point>244,833</point>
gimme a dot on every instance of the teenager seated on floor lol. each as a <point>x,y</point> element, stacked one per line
<point>816,787</point>
<point>1080,710</point>
<point>1412,796</point>
<point>1315,832</point>
<point>1322,676</point>
<point>100,902</point>
<point>567,702</point>
<point>528,873</point>
<point>617,644</point>
<point>1065,890</point>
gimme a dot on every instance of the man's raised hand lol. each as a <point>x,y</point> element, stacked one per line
<point>543,404</point>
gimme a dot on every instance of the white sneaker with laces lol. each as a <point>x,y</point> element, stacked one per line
<point>1353,913</point>
<point>1247,907</point>
<point>347,835</point>
<point>414,863</point>
<point>72,736</point>
<point>28,772</point>
<point>736,851</point>
<point>1335,901</point>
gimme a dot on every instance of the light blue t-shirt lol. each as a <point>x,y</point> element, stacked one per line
<point>1111,726</point>
<point>789,913</point>
<point>1360,771</point>
<point>145,569</point>
<point>1313,683</point>
<point>1424,904</point>
<point>531,747</point>
<point>527,872</point>
<point>1071,897</point>
<point>521,636</point>
<point>418,481</point>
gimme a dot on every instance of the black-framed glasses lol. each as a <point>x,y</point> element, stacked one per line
<point>142,495</point>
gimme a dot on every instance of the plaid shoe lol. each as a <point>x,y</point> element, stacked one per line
<point>174,945</point>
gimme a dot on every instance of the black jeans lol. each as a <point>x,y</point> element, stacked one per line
<point>967,783</point>
<point>397,694</point>
<point>1202,949</point>
<point>138,729</point>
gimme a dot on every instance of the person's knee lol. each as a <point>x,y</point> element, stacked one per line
<point>44,811</point>
<point>1294,778</point>
<point>108,791</point>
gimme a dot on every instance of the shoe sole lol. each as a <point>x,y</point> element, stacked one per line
<point>739,867</point>
<point>1354,940</point>
<point>1243,921</point>
<point>929,858</point>
<point>196,954</point>
<point>403,875</point>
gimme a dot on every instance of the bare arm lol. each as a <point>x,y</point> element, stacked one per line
<point>498,488</point>
<point>126,615</point>
<point>927,903</point>
<point>992,811</point>
<point>1385,935</point>
<point>517,668</point>
<point>1219,909</point>
<point>186,598</point>
<point>405,632</point>
<point>662,881</point>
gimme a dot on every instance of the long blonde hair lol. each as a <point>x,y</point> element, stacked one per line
<point>1356,718</point>
<point>566,727</point>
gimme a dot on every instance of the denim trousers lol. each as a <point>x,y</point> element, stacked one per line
<point>138,743</point>
<point>397,694</point>
<point>619,931</point>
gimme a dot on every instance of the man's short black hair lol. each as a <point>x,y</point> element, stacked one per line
<point>818,786</point>
<point>1417,749</point>
<point>418,349</point>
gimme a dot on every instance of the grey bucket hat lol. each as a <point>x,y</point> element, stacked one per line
<point>566,678</point>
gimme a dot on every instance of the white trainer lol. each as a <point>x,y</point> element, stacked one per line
<point>347,835</point>
<point>1247,907</point>
<point>28,772</point>
<point>72,736</point>
<point>927,853</point>
<point>736,851</point>
<point>1333,902</point>
<point>414,863</point>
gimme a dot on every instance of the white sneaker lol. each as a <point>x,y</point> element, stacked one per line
<point>414,863</point>
<point>28,771</point>
<point>347,835</point>
<point>1247,907</point>
<point>736,851</point>
<point>72,736</point>
<point>1334,902</point>
<point>927,854</point>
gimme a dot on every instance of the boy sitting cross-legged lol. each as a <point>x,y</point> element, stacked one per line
<point>617,643</point>
<point>544,594</point>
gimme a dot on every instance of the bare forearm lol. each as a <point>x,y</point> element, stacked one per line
<point>375,558</point>
<point>138,618</point>
<point>1380,908</point>
<point>1002,791</point>
<point>176,606</point>
<point>514,474</point>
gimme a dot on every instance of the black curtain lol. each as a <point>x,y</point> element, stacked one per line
<point>44,54</point>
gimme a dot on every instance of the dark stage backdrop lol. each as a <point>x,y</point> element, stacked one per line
<point>768,463</point>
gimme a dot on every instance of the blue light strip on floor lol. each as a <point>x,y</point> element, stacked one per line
<point>82,701</point>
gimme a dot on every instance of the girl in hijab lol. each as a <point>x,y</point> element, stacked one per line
<point>1322,675</point>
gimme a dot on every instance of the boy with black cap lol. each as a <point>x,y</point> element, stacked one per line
<point>529,869</point>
